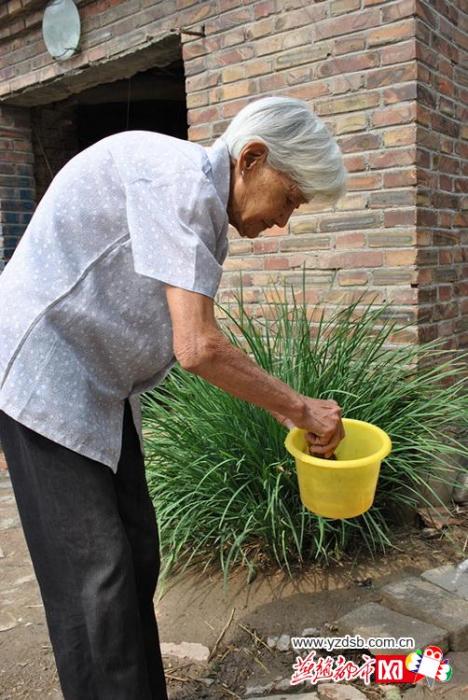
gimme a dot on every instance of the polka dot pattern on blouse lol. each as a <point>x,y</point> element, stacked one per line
<point>84,321</point>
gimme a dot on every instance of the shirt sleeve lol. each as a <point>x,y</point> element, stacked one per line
<point>174,229</point>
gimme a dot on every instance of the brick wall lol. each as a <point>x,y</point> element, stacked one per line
<point>365,67</point>
<point>442,141</point>
<point>354,62</point>
<point>17,187</point>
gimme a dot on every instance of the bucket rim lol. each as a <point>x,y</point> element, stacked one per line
<point>380,455</point>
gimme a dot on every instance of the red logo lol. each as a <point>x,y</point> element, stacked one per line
<point>391,668</point>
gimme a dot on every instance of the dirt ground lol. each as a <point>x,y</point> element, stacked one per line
<point>233,624</point>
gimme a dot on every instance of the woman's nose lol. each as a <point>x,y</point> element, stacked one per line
<point>283,218</point>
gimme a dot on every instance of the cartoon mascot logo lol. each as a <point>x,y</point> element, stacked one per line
<point>429,664</point>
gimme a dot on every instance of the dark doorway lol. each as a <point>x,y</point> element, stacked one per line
<point>153,100</point>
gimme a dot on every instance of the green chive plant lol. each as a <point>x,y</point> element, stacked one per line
<point>224,487</point>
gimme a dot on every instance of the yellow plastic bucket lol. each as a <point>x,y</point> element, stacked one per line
<point>346,487</point>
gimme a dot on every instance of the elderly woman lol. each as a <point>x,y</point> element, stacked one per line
<point>111,284</point>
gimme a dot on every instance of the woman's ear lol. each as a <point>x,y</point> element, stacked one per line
<point>251,155</point>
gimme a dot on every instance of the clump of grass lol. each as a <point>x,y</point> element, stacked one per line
<point>225,488</point>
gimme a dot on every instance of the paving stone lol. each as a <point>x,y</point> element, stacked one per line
<point>253,691</point>
<point>187,650</point>
<point>283,642</point>
<point>458,660</point>
<point>418,598</point>
<point>374,620</point>
<point>338,691</point>
<point>284,684</point>
<point>448,578</point>
<point>390,692</point>
<point>301,696</point>
<point>439,692</point>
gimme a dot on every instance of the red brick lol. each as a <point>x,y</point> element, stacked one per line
<point>401,136</point>
<point>271,44</point>
<point>389,159</point>
<point>227,20</point>
<point>352,122</point>
<point>394,115</point>
<point>391,75</point>
<point>239,246</point>
<point>276,263</point>
<point>360,142</point>
<point>230,109</point>
<point>238,55</point>
<point>307,92</point>
<point>348,104</point>
<point>345,45</point>
<point>265,246</point>
<point>388,34</point>
<point>423,11</point>
<point>357,259</point>
<point>355,163</point>
<point>235,90</point>
<point>292,20</point>
<point>299,75</point>
<point>261,28</point>
<point>251,263</point>
<point>273,82</point>
<point>200,132</point>
<point>338,7</point>
<point>400,53</point>
<point>398,10</point>
<point>300,260</point>
<point>347,24</point>
<point>397,258</point>
<point>402,217</point>
<point>258,66</point>
<point>203,116</point>
<point>203,81</point>
<point>348,64</point>
<point>400,178</point>
<point>232,73</point>
<point>353,278</point>
<point>350,240</point>
<point>265,8</point>
<point>365,182</point>
<point>346,83</point>
<point>301,55</point>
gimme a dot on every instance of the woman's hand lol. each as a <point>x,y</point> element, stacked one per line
<point>322,421</point>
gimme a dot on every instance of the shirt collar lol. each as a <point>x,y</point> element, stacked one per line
<point>220,161</point>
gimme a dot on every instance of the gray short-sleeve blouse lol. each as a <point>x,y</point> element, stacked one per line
<point>84,321</point>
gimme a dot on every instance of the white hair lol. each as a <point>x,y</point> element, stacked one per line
<point>299,144</point>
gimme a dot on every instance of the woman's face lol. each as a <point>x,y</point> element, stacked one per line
<point>260,197</point>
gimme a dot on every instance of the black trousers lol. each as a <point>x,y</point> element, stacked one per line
<point>93,540</point>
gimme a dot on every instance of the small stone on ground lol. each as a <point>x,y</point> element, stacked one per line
<point>301,696</point>
<point>283,642</point>
<point>336,691</point>
<point>187,650</point>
